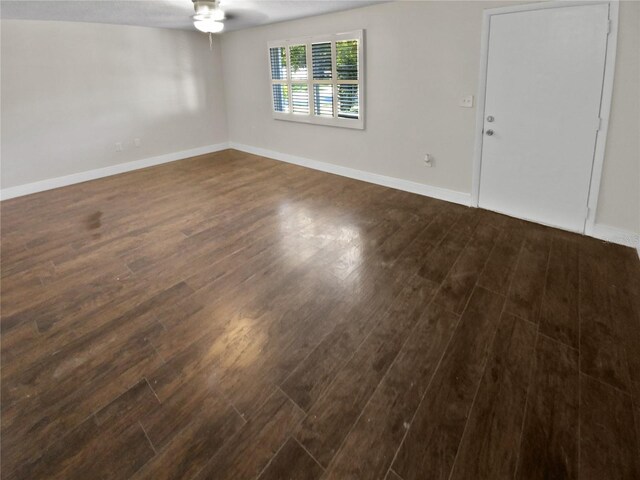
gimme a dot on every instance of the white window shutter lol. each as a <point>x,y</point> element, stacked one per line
<point>318,79</point>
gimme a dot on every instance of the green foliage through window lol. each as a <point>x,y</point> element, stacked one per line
<point>347,60</point>
<point>298,56</point>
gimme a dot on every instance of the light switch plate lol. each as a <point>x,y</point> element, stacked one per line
<point>466,101</point>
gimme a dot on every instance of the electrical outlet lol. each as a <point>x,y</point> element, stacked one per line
<point>118,146</point>
<point>428,161</point>
<point>137,142</point>
<point>466,101</point>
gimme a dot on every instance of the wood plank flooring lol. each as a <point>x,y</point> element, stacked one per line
<point>234,317</point>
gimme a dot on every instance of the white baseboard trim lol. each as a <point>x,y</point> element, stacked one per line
<point>51,183</point>
<point>616,235</point>
<point>392,182</point>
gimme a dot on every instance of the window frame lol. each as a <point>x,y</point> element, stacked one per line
<point>334,121</point>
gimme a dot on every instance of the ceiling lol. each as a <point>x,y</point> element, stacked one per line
<point>170,13</point>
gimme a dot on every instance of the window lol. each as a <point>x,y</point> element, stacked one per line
<point>318,79</point>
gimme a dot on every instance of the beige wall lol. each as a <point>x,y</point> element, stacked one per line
<point>70,91</point>
<point>619,202</point>
<point>420,58</point>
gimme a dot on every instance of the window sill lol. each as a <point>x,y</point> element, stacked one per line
<point>356,124</point>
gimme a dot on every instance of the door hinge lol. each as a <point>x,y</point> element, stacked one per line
<point>599,123</point>
<point>608,26</point>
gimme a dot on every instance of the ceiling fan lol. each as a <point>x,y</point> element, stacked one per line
<point>209,16</point>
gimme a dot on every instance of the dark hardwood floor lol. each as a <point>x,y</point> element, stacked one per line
<point>234,317</point>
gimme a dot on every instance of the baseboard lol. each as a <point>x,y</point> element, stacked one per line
<point>616,235</point>
<point>392,182</point>
<point>51,183</point>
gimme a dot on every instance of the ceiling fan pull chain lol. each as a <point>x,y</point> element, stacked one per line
<point>210,41</point>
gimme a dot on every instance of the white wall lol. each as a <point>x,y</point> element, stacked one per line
<point>619,202</point>
<point>70,91</point>
<point>420,58</point>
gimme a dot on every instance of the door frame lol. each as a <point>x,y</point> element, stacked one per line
<point>605,102</point>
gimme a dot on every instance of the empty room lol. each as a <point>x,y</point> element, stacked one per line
<point>320,239</point>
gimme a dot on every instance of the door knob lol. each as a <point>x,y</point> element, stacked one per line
<point>489,132</point>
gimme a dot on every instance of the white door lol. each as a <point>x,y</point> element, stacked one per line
<point>544,84</point>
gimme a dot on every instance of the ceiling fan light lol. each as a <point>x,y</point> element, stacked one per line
<point>208,25</point>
